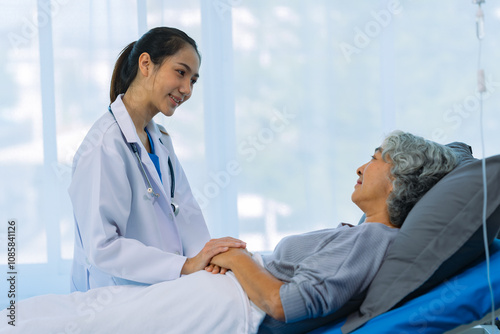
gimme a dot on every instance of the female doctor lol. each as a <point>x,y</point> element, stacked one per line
<point>137,221</point>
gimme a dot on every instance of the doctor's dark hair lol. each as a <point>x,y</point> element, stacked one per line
<point>417,165</point>
<point>160,43</point>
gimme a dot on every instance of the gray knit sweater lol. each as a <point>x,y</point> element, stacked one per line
<point>323,269</point>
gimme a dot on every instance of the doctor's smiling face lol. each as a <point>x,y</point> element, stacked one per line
<point>155,74</point>
<point>171,83</point>
<point>373,187</point>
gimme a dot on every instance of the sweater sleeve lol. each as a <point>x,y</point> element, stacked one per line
<point>327,279</point>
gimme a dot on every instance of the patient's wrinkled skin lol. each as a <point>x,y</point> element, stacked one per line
<point>373,188</point>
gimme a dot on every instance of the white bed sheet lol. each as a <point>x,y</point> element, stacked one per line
<point>198,303</point>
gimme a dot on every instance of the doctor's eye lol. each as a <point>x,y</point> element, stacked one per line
<point>181,72</point>
<point>193,81</point>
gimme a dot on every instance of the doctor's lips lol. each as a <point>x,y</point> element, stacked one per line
<point>176,99</point>
<point>358,182</point>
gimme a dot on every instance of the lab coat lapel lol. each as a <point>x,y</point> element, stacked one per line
<point>128,130</point>
<point>124,121</point>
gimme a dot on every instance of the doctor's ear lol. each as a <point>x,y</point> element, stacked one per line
<point>146,66</point>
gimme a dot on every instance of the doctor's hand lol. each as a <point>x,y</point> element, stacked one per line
<point>211,248</point>
<point>215,269</point>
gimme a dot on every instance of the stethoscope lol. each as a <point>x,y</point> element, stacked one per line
<point>175,207</point>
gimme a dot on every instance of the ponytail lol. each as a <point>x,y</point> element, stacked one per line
<point>159,43</point>
<point>122,74</point>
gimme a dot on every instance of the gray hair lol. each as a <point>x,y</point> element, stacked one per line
<point>417,165</point>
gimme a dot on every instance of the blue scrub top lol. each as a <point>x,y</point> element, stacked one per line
<point>153,156</point>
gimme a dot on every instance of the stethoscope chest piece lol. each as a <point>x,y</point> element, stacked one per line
<point>175,208</point>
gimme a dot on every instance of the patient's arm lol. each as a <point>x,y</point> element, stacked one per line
<point>261,287</point>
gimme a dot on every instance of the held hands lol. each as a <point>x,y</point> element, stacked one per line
<point>211,249</point>
<point>221,263</point>
<point>227,259</point>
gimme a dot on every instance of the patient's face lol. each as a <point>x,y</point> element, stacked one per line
<point>374,183</point>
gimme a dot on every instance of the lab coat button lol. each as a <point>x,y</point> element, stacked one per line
<point>177,253</point>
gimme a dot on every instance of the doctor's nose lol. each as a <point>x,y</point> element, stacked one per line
<point>186,89</point>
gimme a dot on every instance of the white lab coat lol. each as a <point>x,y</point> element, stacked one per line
<point>124,235</point>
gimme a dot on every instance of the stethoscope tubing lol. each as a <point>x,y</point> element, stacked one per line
<point>150,187</point>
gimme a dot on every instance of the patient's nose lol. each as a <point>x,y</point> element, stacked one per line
<point>360,170</point>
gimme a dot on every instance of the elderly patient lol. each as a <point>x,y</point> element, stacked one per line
<point>307,276</point>
<point>314,274</point>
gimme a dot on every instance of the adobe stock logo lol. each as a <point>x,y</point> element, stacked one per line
<point>420,319</point>
<point>455,115</point>
<point>248,149</point>
<point>29,28</point>
<point>372,29</point>
<point>223,6</point>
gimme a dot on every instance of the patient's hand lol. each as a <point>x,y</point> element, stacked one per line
<point>227,259</point>
<point>218,269</point>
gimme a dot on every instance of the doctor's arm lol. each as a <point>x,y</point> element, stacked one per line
<point>261,286</point>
